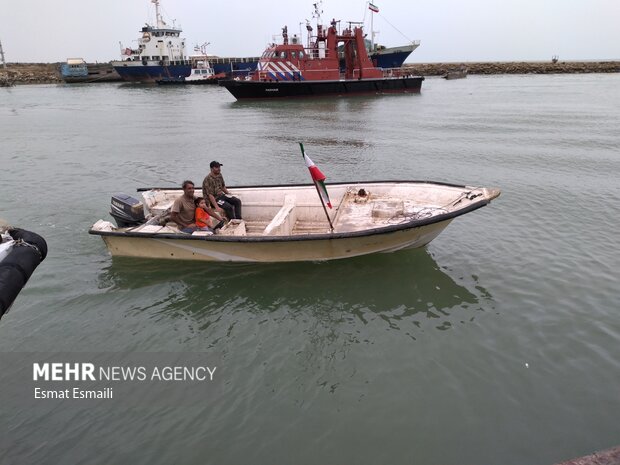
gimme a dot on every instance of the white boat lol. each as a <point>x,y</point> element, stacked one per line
<point>459,73</point>
<point>160,53</point>
<point>288,223</point>
<point>21,252</point>
<point>202,73</point>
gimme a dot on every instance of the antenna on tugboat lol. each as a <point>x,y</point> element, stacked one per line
<point>318,9</point>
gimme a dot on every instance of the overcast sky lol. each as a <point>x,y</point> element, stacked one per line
<point>449,30</point>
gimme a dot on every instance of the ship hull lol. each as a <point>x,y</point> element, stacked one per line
<point>392,57</point>
<point>186,82</point>
<point>234,66</point>
<point>138,72</point>
<point>292,89</point>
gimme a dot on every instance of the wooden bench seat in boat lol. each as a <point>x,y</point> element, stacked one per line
<point>284,221</point>
<point>234,228</point>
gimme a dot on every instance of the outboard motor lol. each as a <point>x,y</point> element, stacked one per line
<point>126,210</point>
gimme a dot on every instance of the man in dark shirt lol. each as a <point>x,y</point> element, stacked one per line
<point>214,189</point>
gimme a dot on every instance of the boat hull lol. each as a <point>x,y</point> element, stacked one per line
<point>137,72</point>
<point>288,89</point>
<point>393,57</point>
<point>284,250</point>
<point>234,66</point>
<point>286,223</point>
<point>98,72</point>
<point>18,260</point>
<point>455,75</point>
<point>185,82</point>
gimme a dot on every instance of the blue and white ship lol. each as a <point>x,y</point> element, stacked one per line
<point>160,54</point>
<point>392,57</point>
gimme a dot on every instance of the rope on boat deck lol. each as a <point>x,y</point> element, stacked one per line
<point>469,195</point>
<point>21,242</point>
<point>428,212</point>
<point>421,214</point>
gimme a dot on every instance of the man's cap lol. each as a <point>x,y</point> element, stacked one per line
<point>215,164</point>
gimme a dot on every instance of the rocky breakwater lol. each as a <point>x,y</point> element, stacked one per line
<point>5,80</point>
<point>46,73</point>
<point>516,67</point>
<point>30,73</point>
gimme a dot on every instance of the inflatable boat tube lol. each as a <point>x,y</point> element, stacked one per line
<point>27,253</point>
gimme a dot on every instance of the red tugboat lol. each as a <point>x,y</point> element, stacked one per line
<point>291,70</point>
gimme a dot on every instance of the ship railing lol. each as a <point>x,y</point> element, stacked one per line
<point>316,54</point>
<point>162,61</point>
<point>225,60</point>
<point>395,72</point>
<point>387,73</point>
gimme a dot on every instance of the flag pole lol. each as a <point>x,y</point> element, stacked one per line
<point>331,226</point>
<point>372,31</point>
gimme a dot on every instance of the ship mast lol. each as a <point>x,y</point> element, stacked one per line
<point>372,9</point>
<point>160,20</point>
<point>316,14</point>
<point>318,9</point>
<point>2,56</point>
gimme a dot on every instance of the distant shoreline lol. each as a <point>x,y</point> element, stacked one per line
<point>49,73</point>
<point>515,67</point>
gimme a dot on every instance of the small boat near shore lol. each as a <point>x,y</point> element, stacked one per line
<point>286,223</point>
<point>21,252</point>
<point>291,69</point>
<point>202,73</point>
<point>460,73</point>
<point>76,70</point>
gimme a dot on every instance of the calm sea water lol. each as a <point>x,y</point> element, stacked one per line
<point>497,344</point>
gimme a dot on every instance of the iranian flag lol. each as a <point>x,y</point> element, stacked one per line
<point>372,7</point>
<point>317,176</point>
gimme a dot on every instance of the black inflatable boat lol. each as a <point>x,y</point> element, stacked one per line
<point>21,252</point>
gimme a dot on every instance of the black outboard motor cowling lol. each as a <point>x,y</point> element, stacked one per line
<point>126,210</point>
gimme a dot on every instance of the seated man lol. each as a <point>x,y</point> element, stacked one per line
<point>183,208</point>
<point>214,189</point>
